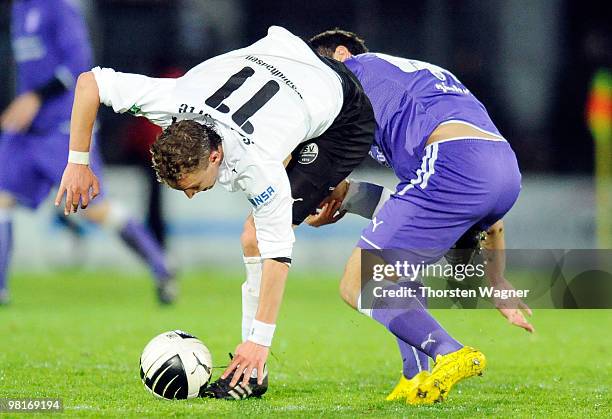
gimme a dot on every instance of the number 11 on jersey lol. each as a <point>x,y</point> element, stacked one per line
<point>251,106</point>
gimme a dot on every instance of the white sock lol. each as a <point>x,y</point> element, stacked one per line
<point>250,293</point>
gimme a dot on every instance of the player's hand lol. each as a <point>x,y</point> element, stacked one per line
<point>339,192</point>
<point>20,113</point>
<point>329,214</point>
<point>513,309</point>
<point>248,356</point>
<point>516,317</point>
<point>80,185</point>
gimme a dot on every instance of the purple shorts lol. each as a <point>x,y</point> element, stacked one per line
<point>31,165</point>
<point>460,184</point>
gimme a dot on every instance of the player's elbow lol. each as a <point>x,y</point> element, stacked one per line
<point>86,90</point>
<point>86,78</point>
<point>87,83</point>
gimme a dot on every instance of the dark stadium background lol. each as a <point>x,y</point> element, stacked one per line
<point>530,62</point>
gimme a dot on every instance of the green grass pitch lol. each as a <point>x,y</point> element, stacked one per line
<point>78,336</point>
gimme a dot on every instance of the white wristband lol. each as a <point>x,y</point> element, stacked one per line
<point>78,157</point>
<point>261,333</point>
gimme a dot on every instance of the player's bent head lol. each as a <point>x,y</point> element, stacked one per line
<point>330,44</point>
<point>187,155</point>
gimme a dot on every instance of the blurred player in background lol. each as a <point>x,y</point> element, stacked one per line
<point>458,176</point>
<point>51,49</point>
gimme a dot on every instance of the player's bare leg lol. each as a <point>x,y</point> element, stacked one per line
<point>7,204</point>
<point>135,235</point>
<point>408,320</point>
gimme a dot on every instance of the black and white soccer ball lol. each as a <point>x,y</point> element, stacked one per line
<point>175,365</point>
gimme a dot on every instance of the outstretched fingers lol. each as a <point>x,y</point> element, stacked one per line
<point>60,194</point>
<point>95,189</point>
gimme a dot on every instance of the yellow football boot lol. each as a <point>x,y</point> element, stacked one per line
<point>405,386</point>
<point>448,370</point>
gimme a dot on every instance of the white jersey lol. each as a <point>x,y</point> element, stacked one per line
<point>264,100</point>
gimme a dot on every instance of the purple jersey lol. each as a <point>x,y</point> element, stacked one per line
<point>49,40</point>
<point>410,99</point>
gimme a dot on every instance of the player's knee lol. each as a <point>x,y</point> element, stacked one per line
<point>248,239</point>
<point>7,201</point>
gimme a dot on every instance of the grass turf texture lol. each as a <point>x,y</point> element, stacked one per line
<point>78,336</point>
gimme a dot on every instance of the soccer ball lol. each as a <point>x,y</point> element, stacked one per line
<point>175,365</point>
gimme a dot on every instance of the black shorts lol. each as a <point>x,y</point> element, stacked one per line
<point>318,165</point>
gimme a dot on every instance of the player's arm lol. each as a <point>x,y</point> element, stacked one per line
<point>78,181</point>
<point>253,353</point>
<point>350,196</point>
<point>494,247</point>
<point>133,93</point>
<point>20,113</point>
<point>269,191</point>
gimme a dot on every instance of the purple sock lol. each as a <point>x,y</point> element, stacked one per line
<point>413,360</point>
<point>408,320</point>
<point>138,238</point>
<point>6,245</point>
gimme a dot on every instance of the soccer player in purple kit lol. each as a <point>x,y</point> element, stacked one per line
<point>457,175</point>
<point>51,49</point>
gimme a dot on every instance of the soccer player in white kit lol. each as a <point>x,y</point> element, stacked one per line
<point>234,119</point>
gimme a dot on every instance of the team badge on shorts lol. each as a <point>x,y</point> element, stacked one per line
<point>308,154</point>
